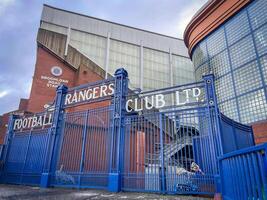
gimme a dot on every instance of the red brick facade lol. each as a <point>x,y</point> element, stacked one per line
<point>42,92</point>
<point>260,132</point>
<point>44,85</point>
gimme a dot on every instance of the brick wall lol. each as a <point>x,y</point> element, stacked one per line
<point>3,128</point>
<point>42,92</point>
<point>23,104</point>
<point>260,132</point>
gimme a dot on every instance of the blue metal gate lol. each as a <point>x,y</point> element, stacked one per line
<point>104,135</point>
<point>27,149</point>
<point>173,148</point>
<point>84,149</point>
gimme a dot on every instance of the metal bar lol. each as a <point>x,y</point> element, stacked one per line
<point>83,146</point>
<point>163,188</point>
<point>107,56</point>
<point>25,158</point>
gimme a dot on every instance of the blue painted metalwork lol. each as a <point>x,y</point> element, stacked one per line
<point>172,149</point>
<point>83,160</point>
<point>118,121</point>
<point>235,135</point>
<point>56,135</point>
<point>9,135</point>
<point>80,88</point>
<point>244,173</point>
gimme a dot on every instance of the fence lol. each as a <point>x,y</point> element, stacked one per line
<point>159,152</point>
<point>166,140</point>
<point>244,173</point>
<point>84,151</point>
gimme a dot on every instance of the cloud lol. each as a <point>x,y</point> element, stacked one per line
<point>186,15</point>
<point>3,93</point>
<point>4,4</point>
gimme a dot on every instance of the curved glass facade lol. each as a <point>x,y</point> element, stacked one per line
<point>237,54</point>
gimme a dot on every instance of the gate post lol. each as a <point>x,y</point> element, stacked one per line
<point>213,110</point>
<point>55,131</point>
<point>118,125</point>
<point>8,138</point>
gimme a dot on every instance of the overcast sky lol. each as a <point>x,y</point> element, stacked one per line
<point>19,21</point>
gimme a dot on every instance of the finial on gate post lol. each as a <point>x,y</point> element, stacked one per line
<point>118,124</point>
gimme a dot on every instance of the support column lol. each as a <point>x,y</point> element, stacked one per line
<point>141,73</point>
<point>107,56</point>
<point>213,109</point>
<point>214,125</point>
<point>118,126</point>
<point>67,41</point>
<point>56,134</point>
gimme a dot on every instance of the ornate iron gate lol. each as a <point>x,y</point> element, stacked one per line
<point>26,148</point>
<point>84,150</point>
<point>165,140</point>
<point>172,140</point>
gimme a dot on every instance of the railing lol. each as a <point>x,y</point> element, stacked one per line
<point>244,173</point>
<point>1,157</point>
<point>1,151</point>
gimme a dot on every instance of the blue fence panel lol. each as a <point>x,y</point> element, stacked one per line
<point>234,135</point>
<point>84,150</point>
<point>25,158</point>
<point>166,140</point>
<point>244,173</point>
<point>169,152</point>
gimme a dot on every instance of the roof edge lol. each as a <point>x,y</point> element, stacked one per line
<point>84,15</point>
<point>209,17</point>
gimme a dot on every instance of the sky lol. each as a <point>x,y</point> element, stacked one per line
<point>20,19</point>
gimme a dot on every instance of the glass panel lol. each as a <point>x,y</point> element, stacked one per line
<point>257,13</point>
<point>247,78</point>
<point>224,88</point>
<point>242,52</point>
<point>260,36</point>
<point>91,45</point>
<point>237,27</point>
<point>156,69</point>
<point>183,70</point>
<point>229,109</point>
<point>253,107</point>
<point>216,42</point>
<point>202,70</point>
<point>220,64</point>
<point>263,62</point>
<point>200,54</point>
<point>127,56</point>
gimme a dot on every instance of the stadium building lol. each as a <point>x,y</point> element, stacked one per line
<point>227,38</point>
<point>161,133</point>
<point>73,49</point>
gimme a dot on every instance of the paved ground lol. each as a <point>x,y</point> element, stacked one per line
<point>10,192</point>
